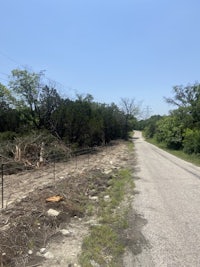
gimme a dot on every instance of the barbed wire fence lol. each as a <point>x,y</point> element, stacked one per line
<point>54,167</point>
<point>2,187</point>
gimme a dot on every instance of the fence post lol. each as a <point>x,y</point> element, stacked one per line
<point>54,168</point>
<point>76,160</point>
<point>2,187</point>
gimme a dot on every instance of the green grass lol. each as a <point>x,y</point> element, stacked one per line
<point>104,246</point>
<point>101,246</point>
<point>130,146</point>
<point>195,159</point>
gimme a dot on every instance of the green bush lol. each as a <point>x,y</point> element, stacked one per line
<point>191,142</point>
<point>7,136</point>
<point>150,131</point>
<point>169,131</point>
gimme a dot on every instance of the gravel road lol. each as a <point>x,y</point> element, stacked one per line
<point>168,200</point>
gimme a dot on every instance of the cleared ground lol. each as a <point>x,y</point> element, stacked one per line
<point>28,235</point>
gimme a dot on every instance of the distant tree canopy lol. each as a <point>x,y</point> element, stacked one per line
<point>149,125</point>
<point>180,129</point>
<point>131,110</point>
<point>30,104</point>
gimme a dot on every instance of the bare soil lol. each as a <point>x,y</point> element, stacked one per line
<point>26,227</point>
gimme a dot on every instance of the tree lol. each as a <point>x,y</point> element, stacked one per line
<point>26,87</point>
<point>49,101</point>
<point>10,118</point>
<point>5,98</point>
<point>185,120</point>
<point>113,122</point>
<point>191,142</point>
<point>184,96</point>
<point>37,102</point>
<point>71,120</point>
<point>31,105</point>
<point>170,131</point>
<point>131,111</point>
<point>130,107</point>
<point>150,126</point>
<point>187,100</point>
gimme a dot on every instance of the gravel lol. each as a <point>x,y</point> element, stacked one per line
<point>169,200</point>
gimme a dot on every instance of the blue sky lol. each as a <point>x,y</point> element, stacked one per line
<point>111,49</point>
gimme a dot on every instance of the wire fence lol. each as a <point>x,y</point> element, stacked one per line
<point>17,178</point>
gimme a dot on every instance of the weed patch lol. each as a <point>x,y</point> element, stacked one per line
<point>104,246</point>
<point>195,159</point>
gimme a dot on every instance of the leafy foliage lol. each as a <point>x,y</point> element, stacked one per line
<point>170,131</point>
<point>191,142</point>
<point>29,104</point>
<point>151,125</point>
<point>181,129</point>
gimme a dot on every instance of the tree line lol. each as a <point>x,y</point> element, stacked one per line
<point>181,128</point>
<point>28,104</point>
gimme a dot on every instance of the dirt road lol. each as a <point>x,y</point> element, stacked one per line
<point>168,200</point>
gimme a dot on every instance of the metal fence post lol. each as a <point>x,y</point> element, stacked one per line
<point>54,168</point>
<point>2,187</point>
<point>76,160</point>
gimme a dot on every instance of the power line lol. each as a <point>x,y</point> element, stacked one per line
<point>69,88</point>
<point>3,73</point>
<point>4,79</point>
<point>8,57</point>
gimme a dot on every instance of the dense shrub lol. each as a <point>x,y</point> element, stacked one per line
<point>7,136</point>
<point>191,142</point>
<point>170,132</point>
<point>150,130</point>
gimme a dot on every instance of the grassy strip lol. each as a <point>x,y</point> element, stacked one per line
<point>195,159</point>
<point>103,247</point>
<point>130,146</point>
